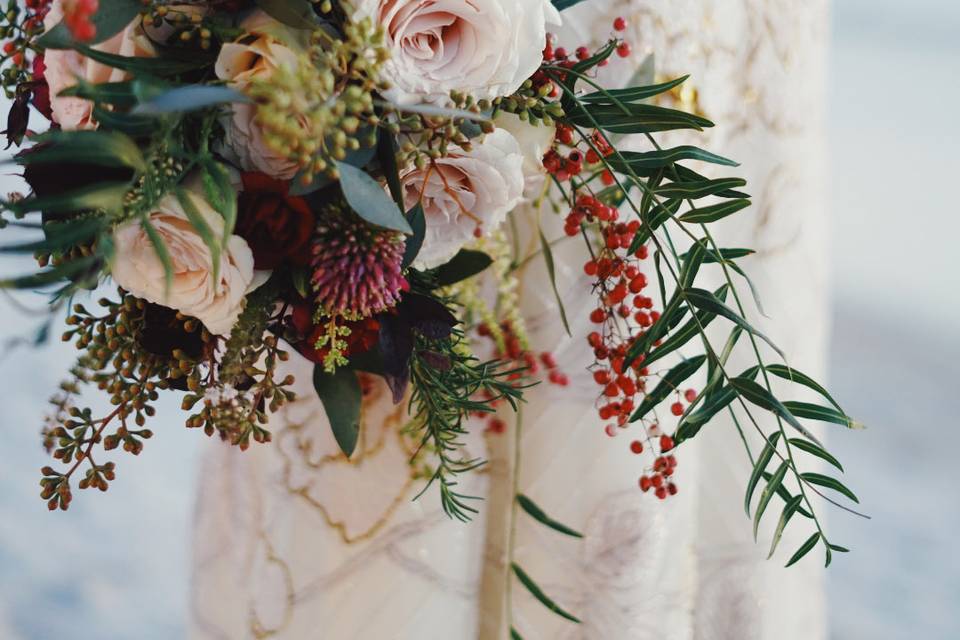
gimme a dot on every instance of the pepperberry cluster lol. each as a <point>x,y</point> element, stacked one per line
<point>78,16</point>
<point>18,28</point>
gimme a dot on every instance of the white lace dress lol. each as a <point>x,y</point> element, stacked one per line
<point>294,541</point>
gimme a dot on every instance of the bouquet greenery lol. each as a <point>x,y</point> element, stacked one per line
<point>254,178</point>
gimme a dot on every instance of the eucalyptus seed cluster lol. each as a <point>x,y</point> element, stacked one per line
<point>532,104</point>
<point>162,174</point>
<point>428,137</point>
<point>186,21</point>
<point>236,401</point>
<point>322,109</point>
<point>114,360</point>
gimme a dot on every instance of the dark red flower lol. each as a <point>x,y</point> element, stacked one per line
<point>362,338</point>
<point>41,91</point>
<point>276,225</point>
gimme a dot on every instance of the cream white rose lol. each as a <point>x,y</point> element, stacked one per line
<point>138,269</point>
<point>534,141</point>
<point>66,65</point>
<point>256,56</point>
<point>465,191</point>
<point>485,48</point>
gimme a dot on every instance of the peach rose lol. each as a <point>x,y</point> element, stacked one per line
<point>137,267</point>
<point>64,66</point>
<point>464,191</point>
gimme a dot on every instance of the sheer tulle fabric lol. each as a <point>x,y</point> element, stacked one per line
<point>293,541</point>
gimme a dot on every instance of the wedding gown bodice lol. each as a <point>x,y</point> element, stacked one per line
<point>292,540</point>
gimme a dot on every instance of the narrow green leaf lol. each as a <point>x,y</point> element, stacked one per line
<point>118,94</point>
<point>686,174</point>
<point>538,514</point>
<point>221,194</point>
<point>466,264</point>
<point>758,468</point>
<point>838,548</point>
<point>788,510</point>
<point>340,394</point>
<point>692,190</point>
<point>824,414</point>
<point>714,212</point>
<point>804,549</point>
<point>768,492</point>
<point>795,375</point>
<point>633,94</point>
<point>102,148</point>
<point>829,483</point>
<point>565,4</point>
<point>538,593</point>
<point>515,635</point>
<point>815,450</point>
<point>59,236</point>
<point>202,227</point>
<point>368,199</point>
<point>672,314</point>
<point>65,271</point>
<point>414,242</point>
<point>693,327</point>
<point>160,246</point>
<point>552,273</point>
<point>715,367</point>
<point>670,383</point>
<point>706,301</point>
<point>146,66</point>
<point>761,397</point>
<point>625,160</point>
<point>107,196</point>
<point>661,213</point>
<point>634,118</point>
<point>191,97</point>
<point>298,14</point>
<point>691,264</point>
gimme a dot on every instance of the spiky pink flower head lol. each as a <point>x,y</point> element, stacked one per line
<point>357,268</point>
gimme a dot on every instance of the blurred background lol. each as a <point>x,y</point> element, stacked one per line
<point>118,566</point>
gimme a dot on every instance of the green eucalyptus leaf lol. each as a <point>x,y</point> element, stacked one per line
<point>466,264</point>
<point>340,394</point>
<point>145,66</point>
<point>221,194</point>
<point>108,196</point>
<point>368,199</point>
<point>191,97</point>
<point>132,125</point>
<point>538,593</point>
<point>418,222</point>
<point>540,516</point>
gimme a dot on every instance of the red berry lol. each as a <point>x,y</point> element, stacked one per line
<point>636,446</point>
<point>661,493</point>
<point>690,395</point>
<point>623,49</point>
<point>676,409</point>
<point>666,443</point>
<point>582,53</point>
<point>598,316</point>
<point>620,24</point>
<point>644,483</point>
<point>601,376</point>
<point>672,489</point>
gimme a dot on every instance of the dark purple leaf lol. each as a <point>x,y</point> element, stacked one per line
<point>436,360</point>
<point>396,346</point>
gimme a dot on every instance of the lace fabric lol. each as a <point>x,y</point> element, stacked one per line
<point>294,541</point>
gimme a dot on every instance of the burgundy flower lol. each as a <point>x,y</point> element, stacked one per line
<point>276,225</point>
<point>41,91</point>
<point>363,334</point>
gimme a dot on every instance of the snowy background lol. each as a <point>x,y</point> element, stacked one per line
<point>118,566</point>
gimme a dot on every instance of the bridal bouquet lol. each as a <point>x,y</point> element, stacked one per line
<point>348,179</point>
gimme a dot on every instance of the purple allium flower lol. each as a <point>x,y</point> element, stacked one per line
<point>356,267</point>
